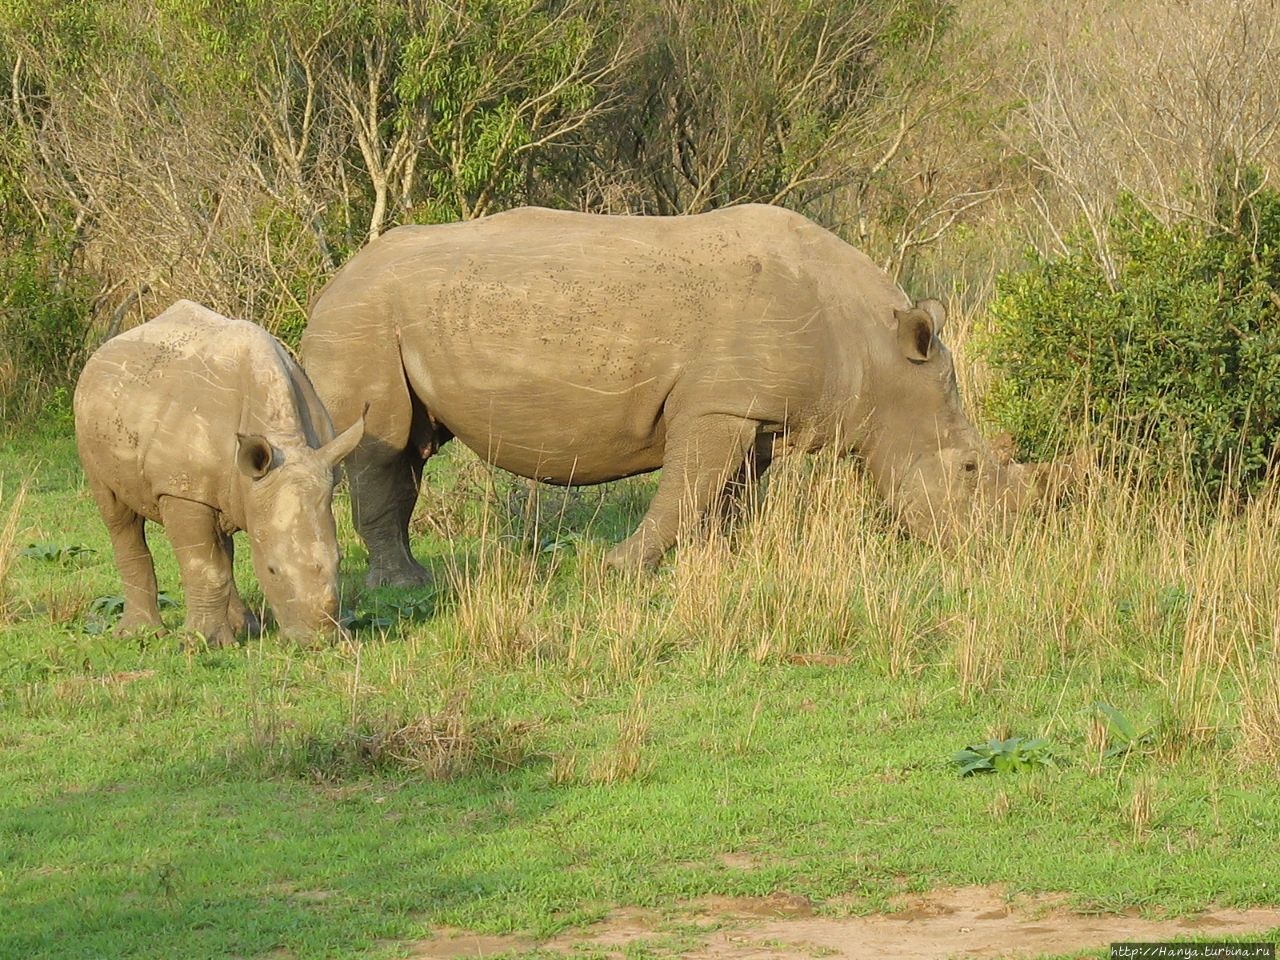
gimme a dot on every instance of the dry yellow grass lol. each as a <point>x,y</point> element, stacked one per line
<point>1182,601</point>
<point>11,504</point>
<point>1117,582</point>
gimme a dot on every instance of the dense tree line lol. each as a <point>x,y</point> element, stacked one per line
<point>238,153</point>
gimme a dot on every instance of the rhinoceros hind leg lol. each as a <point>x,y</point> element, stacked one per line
<point>200,548</point>
<point>739,502</point>
<point>702,455</point>
<point>384,490</point>
<point>133,559</point>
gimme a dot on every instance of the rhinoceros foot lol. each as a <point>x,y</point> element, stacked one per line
<point>252,625</point>
<point>216,639</point>
<point>244,622</point>
<point>209,631</point>
<point>405,577</point>
<point>633,554</point>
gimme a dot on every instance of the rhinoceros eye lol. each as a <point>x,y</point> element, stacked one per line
<point>971,466</point>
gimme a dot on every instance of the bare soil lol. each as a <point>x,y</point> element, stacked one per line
<point>948,923</point>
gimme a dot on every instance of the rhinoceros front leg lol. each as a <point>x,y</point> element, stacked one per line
<point>384,490</point>
<point>702,455</point>
<point>133,559</point>
<point>241,618</point>
<point>207,583</point>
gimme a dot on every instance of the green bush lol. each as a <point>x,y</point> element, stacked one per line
<point>1177,356</point>
<point>44,308</point>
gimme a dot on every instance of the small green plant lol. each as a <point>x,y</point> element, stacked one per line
<point>368,620</point>
<point>1170,600</point>
<point>384,614</point>
<point>1123,735</point>
<point>1013,755</point>
<point>63,554</point>
<point>106,609</point>
<point>566,540</point>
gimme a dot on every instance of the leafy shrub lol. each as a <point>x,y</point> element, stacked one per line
<point>1177,355</point>
<point>44,308</point>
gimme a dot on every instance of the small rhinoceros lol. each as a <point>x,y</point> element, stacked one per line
<point>207,426</point>
<point>576,348</point>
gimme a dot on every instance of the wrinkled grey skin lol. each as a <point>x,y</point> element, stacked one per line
<point>576,348</point>
<point>207,426</point>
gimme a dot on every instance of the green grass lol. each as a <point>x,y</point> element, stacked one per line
<point>537,741</point>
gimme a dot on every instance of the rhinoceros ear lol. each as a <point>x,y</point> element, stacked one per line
<point>337,449</point>
<point>916,330</point>
<point>254,455</point>
<point>937,313</point>
<point>918,327</point>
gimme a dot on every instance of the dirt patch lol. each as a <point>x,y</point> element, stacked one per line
<point>964,922</point>
<point>456,944</point>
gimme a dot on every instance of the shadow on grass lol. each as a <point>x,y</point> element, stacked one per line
<point>133,870</point>
<point>454,528</point>
<point>528,516</point>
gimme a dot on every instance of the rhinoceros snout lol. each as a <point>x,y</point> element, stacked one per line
<point>313,636</point>
<point>315,616</point>
<point>320,624</point>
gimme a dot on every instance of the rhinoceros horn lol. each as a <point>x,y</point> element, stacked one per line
<point>337,449</point>
<point>256,457</point>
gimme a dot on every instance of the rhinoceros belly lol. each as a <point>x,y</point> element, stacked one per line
<point>547,420</point>
<point>568,363</point>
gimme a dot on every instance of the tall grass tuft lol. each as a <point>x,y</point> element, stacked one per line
<point>501,588</point>
<point>431,733</point>
<point>618,631</point>
<point>807,573</point>
<point>1256,664</point>
<point>500,599</point>
<point>1260,708</point>
<point>625,760</point>
<point>11,511</point>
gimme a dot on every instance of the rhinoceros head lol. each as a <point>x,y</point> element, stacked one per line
<point>287,492</point>
<point>927,458</point>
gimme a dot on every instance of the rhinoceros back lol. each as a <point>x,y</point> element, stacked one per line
<point>552,343</point>
<point>158,407</point>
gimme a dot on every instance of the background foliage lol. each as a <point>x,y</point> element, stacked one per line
<point>1177,355</point>
<point>237,154</point>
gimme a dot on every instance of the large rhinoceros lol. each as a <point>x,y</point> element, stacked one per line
<point>207,426</point>
<point>576,348</point>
